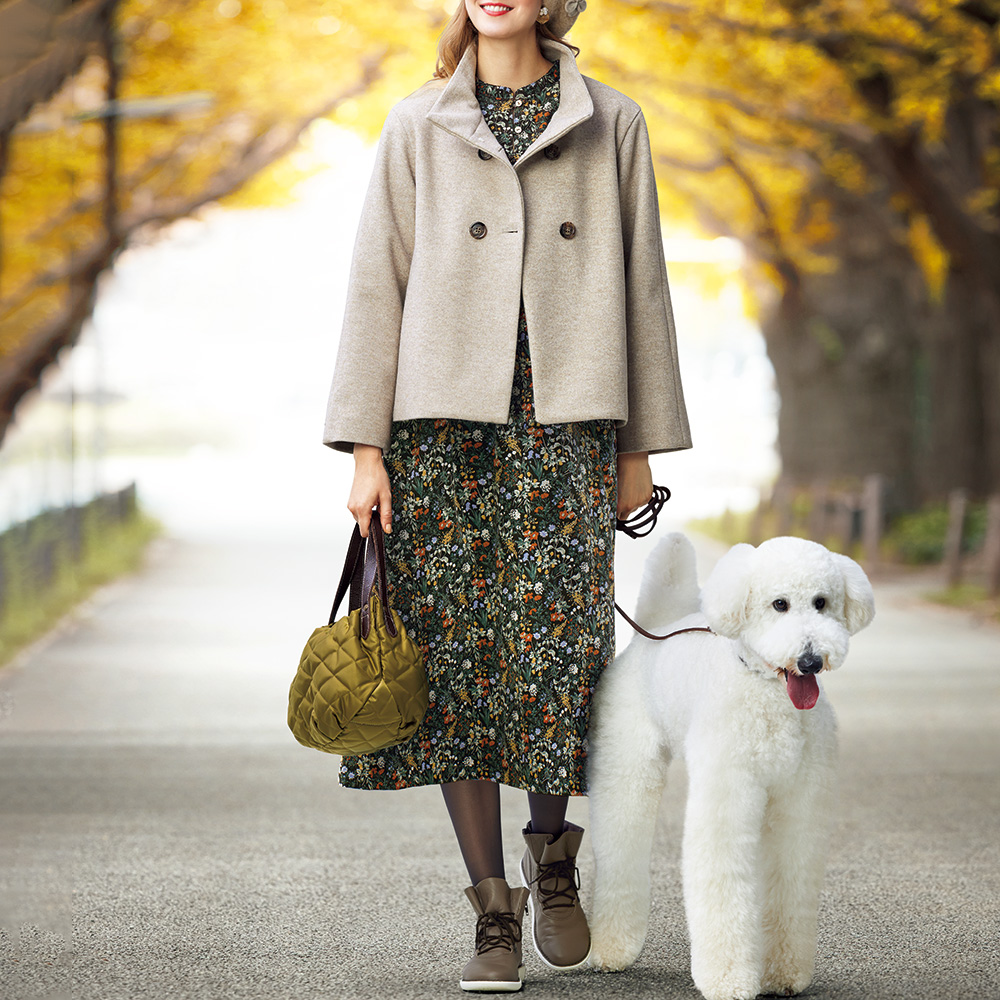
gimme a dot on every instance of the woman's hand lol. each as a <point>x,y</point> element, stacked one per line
<point>370,488</point>
<point>635,482</point>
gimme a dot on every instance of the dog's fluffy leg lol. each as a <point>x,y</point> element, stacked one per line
<point>722,877</point>
<point>628,769</point>
<point>796,833</point>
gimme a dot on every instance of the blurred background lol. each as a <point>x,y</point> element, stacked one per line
<point>180,183</point>
<point>179,189</point>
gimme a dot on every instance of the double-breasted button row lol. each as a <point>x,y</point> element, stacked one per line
<point>478,230</point>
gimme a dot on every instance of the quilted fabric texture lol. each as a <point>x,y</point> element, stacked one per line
<point>352,695</point>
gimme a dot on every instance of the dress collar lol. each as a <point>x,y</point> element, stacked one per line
<point>457,110</point>
<point>497,92</point>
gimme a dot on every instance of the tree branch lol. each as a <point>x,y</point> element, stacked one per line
<point>769,234</point>
<point>705,167</point>
<point>834,40</point>
<point>980,10</point>
<point>22,367</point>
<point>970,245</point>
<point>262,150</point>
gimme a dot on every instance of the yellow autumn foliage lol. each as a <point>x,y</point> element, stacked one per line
<point>754,106</point>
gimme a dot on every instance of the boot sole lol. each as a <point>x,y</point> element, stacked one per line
<point>534,943</point>
<point>493,985</point>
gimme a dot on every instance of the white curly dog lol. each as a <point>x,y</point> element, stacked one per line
<point>744,709</point>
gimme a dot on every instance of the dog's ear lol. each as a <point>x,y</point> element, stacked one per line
<point>859,600</point>
<point>725,596</point>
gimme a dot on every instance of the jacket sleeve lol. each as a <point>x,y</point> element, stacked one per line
<point>657,418</point>
<point>360,404</point>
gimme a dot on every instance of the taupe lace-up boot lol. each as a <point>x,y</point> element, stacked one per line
<point>496,967</point>
<point>558,924</point>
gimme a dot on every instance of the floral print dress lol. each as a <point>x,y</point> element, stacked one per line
<point>500,564</point>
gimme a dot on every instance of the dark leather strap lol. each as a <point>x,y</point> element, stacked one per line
<point>368,581</point>
<point>375,577</point>
<point>669,635</point>
<point>646,516</point>
<point>383,578</point>
<point>364,571</point>
<point>351,577</point>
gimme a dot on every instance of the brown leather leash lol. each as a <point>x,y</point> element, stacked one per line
<point>632,526</point>
<point>669,635</point>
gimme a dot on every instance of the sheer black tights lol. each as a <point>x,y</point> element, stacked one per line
<point>474,807</point>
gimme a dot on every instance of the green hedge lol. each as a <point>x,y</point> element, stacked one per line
<point>53,561</point>
<point>916,538</point>
<point>919,537</point>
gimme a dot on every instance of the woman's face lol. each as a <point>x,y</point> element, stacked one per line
<point>503,18</point>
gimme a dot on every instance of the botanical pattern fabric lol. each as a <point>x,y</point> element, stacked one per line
<point>518,117</point>
<point>501,564</point>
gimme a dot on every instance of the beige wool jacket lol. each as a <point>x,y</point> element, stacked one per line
<point>452,235</point>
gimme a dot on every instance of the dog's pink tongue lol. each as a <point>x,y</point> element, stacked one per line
<point>803,690</point>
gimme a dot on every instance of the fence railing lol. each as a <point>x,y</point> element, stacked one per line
<point>854,519</point>
<point>34,552</point>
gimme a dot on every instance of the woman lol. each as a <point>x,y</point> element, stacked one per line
<point>512,204</point>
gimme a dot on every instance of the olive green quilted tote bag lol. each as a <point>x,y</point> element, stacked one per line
<point>361,684</point>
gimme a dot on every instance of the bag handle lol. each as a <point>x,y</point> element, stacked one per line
<point>375,578</point>
<point>364,571</point>
<point>352,575</point>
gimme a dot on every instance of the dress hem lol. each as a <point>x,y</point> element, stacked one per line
<point>509,782</point>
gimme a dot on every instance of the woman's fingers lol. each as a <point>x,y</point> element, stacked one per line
<point>370,489</point>
<point>385,507</point>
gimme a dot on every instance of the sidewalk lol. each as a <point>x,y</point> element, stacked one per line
<point>161,834</point>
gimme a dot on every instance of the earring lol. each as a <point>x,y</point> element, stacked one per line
<point>543,15</point>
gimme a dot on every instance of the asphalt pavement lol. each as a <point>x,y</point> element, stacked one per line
<point>162,835</point>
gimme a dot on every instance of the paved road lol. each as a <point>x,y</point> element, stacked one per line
<point>162,836</point>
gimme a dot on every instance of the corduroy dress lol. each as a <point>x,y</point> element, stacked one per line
<point>501,564</point>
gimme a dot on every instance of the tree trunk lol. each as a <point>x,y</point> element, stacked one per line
<point>846,349</point>
<point>963,393</point>
<point>845,371</point>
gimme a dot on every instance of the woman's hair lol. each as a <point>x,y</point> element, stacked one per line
<point>460,33</point>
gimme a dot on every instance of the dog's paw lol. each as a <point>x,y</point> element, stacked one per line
<point>607,955</point>
<point>786,986</point>
<point>728,987</point>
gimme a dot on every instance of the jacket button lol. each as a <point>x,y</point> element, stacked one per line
<point>483,155</point>
<point>567,230</point>
<point>552,152</point>
<point>478,230</point>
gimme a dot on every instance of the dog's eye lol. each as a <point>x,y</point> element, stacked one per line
<point>780,604</point>
<point>820,603</point>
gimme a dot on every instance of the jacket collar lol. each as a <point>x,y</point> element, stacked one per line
<point>457,110</point>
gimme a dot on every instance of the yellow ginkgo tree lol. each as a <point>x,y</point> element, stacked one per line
<point>187,102</point>
<point>852,146</point>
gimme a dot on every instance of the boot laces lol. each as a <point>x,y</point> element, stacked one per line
<point>497,930</point>
<point>558,879</point>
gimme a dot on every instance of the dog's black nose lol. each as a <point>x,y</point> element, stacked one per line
<point>809,663</point>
